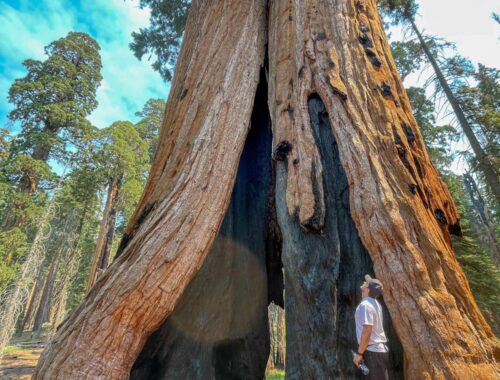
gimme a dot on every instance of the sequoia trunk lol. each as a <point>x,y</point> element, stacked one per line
<point>401,209</point>
<point>353,189</point>
<point>206,121</point>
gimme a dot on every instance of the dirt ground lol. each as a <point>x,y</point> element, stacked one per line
<point>19,361</point>
<point>20,357</point>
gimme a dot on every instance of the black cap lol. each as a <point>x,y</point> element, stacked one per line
<point>374,286</point>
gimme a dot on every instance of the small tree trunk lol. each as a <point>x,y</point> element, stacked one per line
<point>43,305</point>
<point>33,300</point>
<point>106,232</point>
<point>279,361</point>
<point>70,267</point>
<point>491,176</point>
<point>487,225</point>
<point>272,317</point>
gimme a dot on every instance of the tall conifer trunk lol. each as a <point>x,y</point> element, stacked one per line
<point>484,218</point>
<point>106,232</point>
<point>353,187</point>
<point>485,165</point>
<point>43,306</point>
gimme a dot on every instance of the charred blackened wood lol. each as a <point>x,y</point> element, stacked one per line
<point>413,188</point>
<point>397,138</point>
<point>440,216</point>
<point>282,150</point>
<point>323,271</point>
<point>410,136</point>
<point>183,94</point>
<point>127,237</point>
<point>320,36</point>
<point>365,40</point>
<point>404,159</point>
<point>339,92</point>
<point>372,56</point>
<point>123,244</point>
<point>419,167</point>
<point>385,89</point>
<point>455,229</point>
<point>274,243</point>
<point>315,222</point>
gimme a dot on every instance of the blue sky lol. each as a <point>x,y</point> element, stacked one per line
<point>26,26</point>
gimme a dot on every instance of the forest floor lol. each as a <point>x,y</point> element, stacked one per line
<point>20,358</point>
<point>275,375</point>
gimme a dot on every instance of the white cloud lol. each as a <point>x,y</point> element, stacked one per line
<point>467,24</point>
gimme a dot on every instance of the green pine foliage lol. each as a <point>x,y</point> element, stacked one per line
<point>437,138</point>
<point>52,102</point>
<point>162,38</point>
<point>148,126</point>
<point>399,11</point>
<point>476,261</point>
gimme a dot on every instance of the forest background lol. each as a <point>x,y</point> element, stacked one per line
<point>80,115</point>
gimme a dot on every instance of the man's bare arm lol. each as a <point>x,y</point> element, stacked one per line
<point>365,339</point>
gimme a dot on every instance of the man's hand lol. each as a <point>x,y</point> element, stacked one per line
<point>357,360</point>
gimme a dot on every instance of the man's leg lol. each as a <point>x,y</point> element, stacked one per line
<point>377,363</point>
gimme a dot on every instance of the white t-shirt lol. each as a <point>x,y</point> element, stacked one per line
<point>369,312</point>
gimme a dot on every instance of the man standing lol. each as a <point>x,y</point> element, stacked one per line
<point>372,349</point>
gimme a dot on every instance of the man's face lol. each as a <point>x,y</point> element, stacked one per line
<point>364,289</point>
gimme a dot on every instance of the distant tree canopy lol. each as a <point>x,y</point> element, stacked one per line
<point>162,38</point>
<point>400,11</point>
<point>55,97</point>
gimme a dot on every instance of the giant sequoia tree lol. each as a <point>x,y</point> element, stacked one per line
<point>308,157</point>
<point>51,104</point>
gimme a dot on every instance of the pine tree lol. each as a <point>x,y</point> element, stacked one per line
<point>163,37</point>
<point>404,11</point>
<point>125,161</point>
<point>149,124</point>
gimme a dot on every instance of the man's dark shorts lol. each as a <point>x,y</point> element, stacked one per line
<point>378,364</point>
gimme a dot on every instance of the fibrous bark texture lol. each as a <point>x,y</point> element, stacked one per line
<point>323,272</point>
<point>219,328</point>
<point>354,187</point>
<point>402,210</point>
<point>206,121</point>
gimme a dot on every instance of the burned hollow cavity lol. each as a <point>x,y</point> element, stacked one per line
<point>219,328</point>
